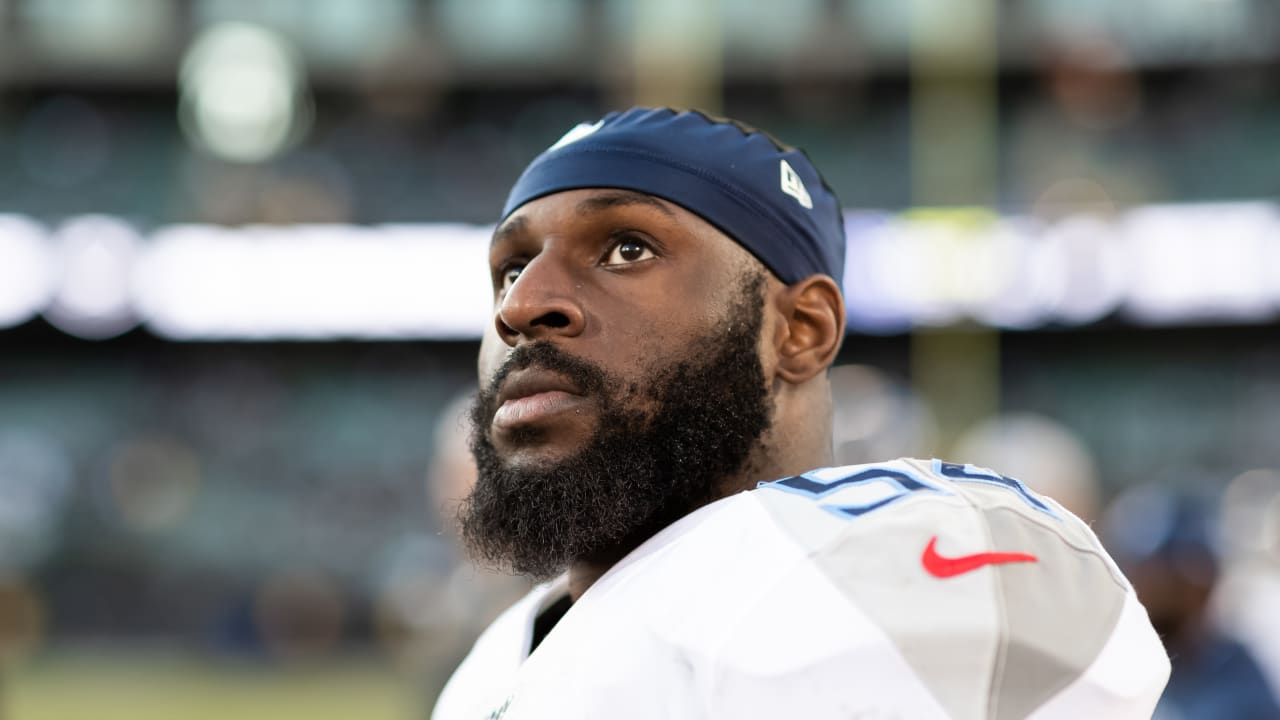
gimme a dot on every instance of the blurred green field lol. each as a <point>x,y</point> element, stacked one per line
<point>113,686</point>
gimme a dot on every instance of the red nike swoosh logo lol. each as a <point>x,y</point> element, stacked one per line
<point>945,567</point>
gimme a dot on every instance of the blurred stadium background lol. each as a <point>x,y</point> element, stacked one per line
<point>242,285</point>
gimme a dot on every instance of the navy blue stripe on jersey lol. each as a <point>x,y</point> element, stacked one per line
<point>970,473</point>
<point>812,485</point>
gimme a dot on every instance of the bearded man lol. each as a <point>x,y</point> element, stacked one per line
<point>653,440</point>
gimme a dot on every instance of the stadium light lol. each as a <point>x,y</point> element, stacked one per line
<point>1083,272</point>
<point>96,255</point>
<point>315,282</point>
<point>1201,262</point>
<point>26,272</point>
<point>243,93</point>
<point>96,276</point>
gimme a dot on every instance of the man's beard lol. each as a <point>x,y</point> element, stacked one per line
<point>639,471</point>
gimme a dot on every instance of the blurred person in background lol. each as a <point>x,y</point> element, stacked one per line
<point>472,596</point>
<point>1165,542</point>
<point>667,305</point>
<point>1053,459</point>
<point>1249,591</point>
<point>875,416</point>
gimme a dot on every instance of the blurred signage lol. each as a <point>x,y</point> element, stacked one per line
<point>98,276</point>
<point>1157,265</point>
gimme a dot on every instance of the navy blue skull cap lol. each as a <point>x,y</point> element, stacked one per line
<point>766,196</point>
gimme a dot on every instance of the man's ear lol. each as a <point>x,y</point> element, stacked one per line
<point>813,317</point>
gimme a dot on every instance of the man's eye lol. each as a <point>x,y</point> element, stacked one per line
<point>510,275</point>
<point>628,251</point>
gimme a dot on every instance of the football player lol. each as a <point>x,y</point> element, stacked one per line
<point>653,437</point>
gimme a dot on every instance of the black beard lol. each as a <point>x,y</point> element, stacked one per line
<point>640,471</point>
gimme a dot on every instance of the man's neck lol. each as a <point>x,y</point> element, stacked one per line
<point>584,572</point>
<point>583,575</point>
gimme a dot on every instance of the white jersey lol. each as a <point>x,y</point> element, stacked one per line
<point>910,590</point>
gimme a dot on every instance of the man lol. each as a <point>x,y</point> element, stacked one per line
<point>654,419</point>
<point>1165,540</point>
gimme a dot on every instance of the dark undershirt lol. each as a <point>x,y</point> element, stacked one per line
<point>547,619</point>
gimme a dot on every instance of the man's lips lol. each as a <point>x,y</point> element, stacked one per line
<point>532,395</point>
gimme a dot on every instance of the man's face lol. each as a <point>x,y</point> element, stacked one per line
<point>622,383</point>
<point>618,279</point>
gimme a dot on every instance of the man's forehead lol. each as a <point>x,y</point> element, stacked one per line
<point>585,202</point>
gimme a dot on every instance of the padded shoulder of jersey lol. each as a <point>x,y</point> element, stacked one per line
<point>996,596</point>
<point>823,505</point>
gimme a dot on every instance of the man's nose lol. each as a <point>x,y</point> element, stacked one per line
<point>540,304</point>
